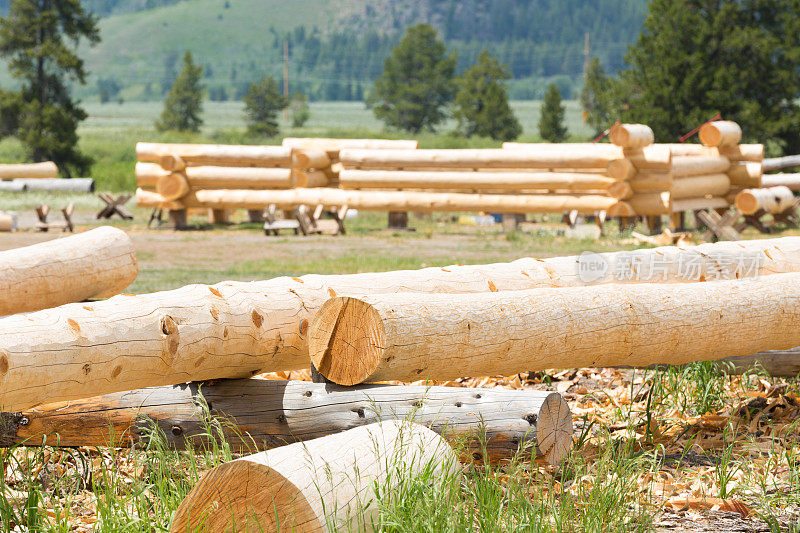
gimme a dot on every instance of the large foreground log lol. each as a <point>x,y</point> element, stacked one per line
<point>265,414</point>
<point>47,169</point>
<point>412,336</point>
<point>389,200</point>
<point>471,181</point>
<point>773,200</point>
<point>217,154</point>
<point>325,484</point>
<point>94,264</point>
<point>236,329</point>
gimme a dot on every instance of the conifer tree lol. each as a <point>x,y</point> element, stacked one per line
<point>417,82</point>
<point>481,103</point>
<point>551,122</point>
<point>262,103</point>
<point>38,40</point>
<point>595,96</point>
<point>299,110</point>
<point>183,105</point>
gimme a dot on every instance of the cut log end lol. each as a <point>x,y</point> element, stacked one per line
<point>243,495</point>
<point>720,133</point>
<point>554,429</point>
<point>173,186</point>
<point>350,327</point>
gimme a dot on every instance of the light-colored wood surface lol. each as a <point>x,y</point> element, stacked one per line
<point>326,484</point>
<point>690,165</point>
<point>772,200</point>
<point>700,186</point>
<point>217,154</point>
<point>631,135</point>
<point>720,133</point>
<point>46,169</point>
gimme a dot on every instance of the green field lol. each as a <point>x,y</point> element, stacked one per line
<point>112,130</point>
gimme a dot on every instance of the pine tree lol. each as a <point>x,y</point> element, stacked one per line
<point>481,103</point>
<point>262,103</point>
<point>551,122</point>
<point>595,96</point>
<point>417,82</point>
<point>183,105</point>
<point>697,58</point>
<point>298,108</point>
<point>38,39</point>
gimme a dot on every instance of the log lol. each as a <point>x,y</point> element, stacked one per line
<point>778,363</point>
<point>218,216</point>
<point>411,336</point>
<point>743,152</point>
<point>791,181</point>
<point>235,329</point>
<point>325,484</point>
<point>778,163</point>
<point>333,146</point>
<point>720,133</point>
<point>146,198</point>
<point>8,221</point>
<point>73,185</point>
<point>172,163</point>
<point>312,178</point>
<point>310,158</point>
<point>388,200</point>
<point>631,135</point>
<point>653,203</point>
<point>95,264</point>
<point>700,186</point>
<point>264,414</point>
<point>471,181</point>
<point>695,204</point>
<point>699,165</point>
<point>173,186</point>
<point>621,169</point>
<point>539,156</point>
<point>650,181</point>
<point>653,157</point>
<point>620,190</point>
<point>745,174</point>
<point>689,149</point>
<point>44,170</point>
<point>210,177</point>
<point>12,186</point>
<point>217,154</point>
<point>773,200</point>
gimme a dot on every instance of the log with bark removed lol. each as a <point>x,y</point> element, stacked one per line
<point>411,336</point>
<point>326,484</point>
<point>236,329</point>
<point>95,264</point>
<point>263,414</point>
<point>772,200</point>
<point>216,154</point>
<point>44,170</point>
<point>720,133</point>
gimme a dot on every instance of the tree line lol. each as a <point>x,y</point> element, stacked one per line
<point>693,60</point>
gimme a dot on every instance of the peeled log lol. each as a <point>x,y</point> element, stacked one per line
<point>172,163</point>
<point>648,181</point>
<point>773,200</point>
<point>696,204</point>
<point>74,185</point>
<point>310,158</point>
<point>631,135</point>
<point>511,181</point>
<point>266,414</point>
<point>47,169</point>
<point>12,186</point>
<point>540,156</point>
<point>312,178</point>
<point>621,169</point>
<point>745,174</point>
<point>236,329</point>
<point>173,186</point>
<point>620,190</point>
<point>699,165</point>
<point>654,203</point>
<point>777,163</point>
<point>743,152</point>
<point>217,154</point>
<point>653,157</point>
<point>335,145</point>
<point>388,200</point>
<point>720,133</point>
<point>791,181</point>
<point>146,198</point>
<point>700,186</point>
<point>210,177</point>
<point>412,336</point>
<point>95,264</point>
<point>325,484</point>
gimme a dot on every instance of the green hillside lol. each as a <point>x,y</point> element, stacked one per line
<point>338,48</point>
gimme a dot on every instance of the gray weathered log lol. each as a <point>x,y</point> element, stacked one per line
<point>12,186</point>
<point>777,163</point>
<point>77,185</point>
<point>265,414</point>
